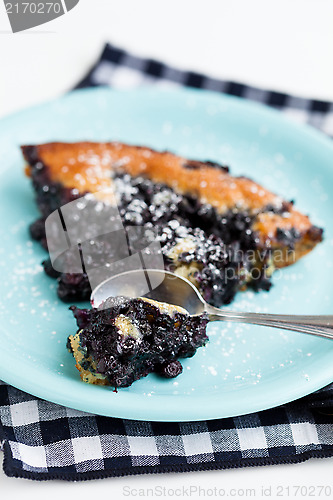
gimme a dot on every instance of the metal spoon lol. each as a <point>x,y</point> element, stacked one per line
<point>167,287</point>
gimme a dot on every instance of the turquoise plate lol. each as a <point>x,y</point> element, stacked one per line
<point>243,368</point>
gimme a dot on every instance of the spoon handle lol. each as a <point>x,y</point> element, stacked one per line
<point>320,326</point>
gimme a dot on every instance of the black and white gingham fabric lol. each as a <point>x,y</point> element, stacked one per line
<point>42,440</point>
<point>119,69</point>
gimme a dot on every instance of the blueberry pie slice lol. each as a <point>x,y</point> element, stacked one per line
<point>126,339</point>
<point>224,233</point>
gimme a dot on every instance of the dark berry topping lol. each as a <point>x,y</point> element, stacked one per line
<point>219,258</point>
<point>37,229</point>
<point>49,269</point>
<point>193,165</point>
<point>214,164</point>
<point>170,370</point>
<point>287,236</point>
<point>132,337</point>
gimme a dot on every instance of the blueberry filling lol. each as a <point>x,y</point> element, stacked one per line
<point>288,236</point>
<point>197,165</point>
<point>170,370</point>
<point>130,338</point>
<point>217,261</point>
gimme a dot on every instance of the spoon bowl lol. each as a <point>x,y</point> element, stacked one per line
<point>168,287</point>
<point>171,289</point>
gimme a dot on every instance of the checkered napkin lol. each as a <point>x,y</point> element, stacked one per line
<point>42,440</point>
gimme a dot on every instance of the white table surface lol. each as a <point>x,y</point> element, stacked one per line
<point>284,46</point>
